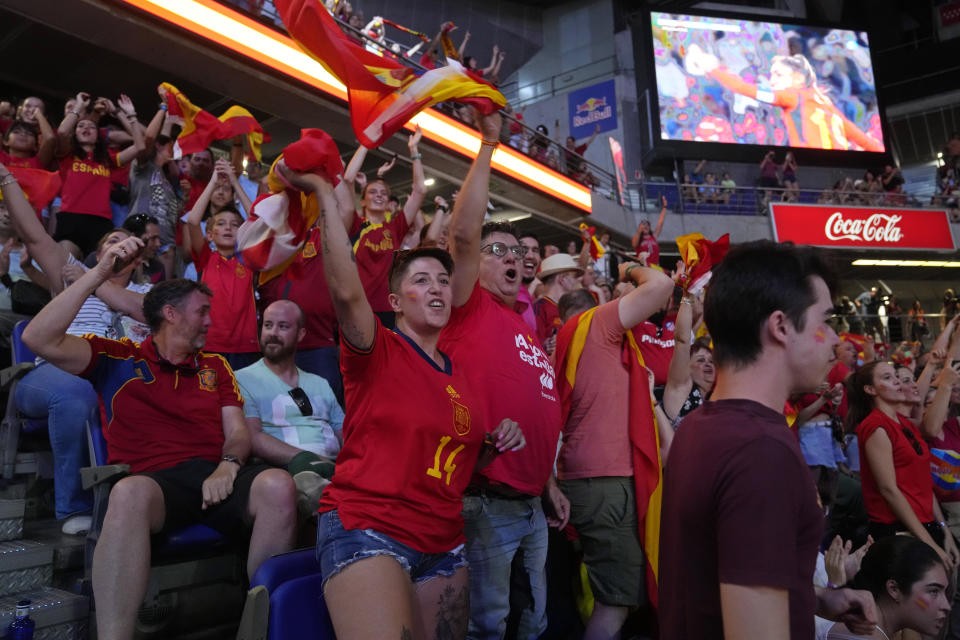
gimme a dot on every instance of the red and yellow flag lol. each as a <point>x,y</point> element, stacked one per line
<point>701,255</point>
<point>200,127</point>
<point>644,438</point>
<point>596,249</point>
<point>39,187</point>
<point>383,93</point>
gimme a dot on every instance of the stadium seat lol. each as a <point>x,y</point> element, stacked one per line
<point>289,585</point>
<point>15,422</point>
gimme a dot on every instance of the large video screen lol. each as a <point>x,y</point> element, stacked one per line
<point>738,81</point>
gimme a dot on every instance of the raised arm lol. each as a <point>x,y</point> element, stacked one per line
<point>69,123</point>
<point>936,413</point>
<point>440,219</point>
<point>663,214</point>
<point>346,204</point>
<point>226,169</point>
<point>195,239</point>
<point>127,115</point>
<point>418,189</point>
<point>468,211</point>
<point>493,61</point>
<point>679,383</point>
<point>49,255</point>
<point>356,319</point>
<point>463,45</point>
<point>46,335</point>
<point>48,141</point>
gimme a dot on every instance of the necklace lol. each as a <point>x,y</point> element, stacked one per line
<point>882,632</point>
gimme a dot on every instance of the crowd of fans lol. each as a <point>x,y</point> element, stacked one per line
<point>241,399</point>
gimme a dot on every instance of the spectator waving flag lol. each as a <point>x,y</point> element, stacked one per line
<point>642,427</point>
<point>384,94</point>
<point>200,128</point>
<point>596,249</point>
<point>279,223</point>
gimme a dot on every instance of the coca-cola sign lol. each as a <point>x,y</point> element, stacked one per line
<point>862,227</point>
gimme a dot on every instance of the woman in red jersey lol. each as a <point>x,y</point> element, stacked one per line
<point>793,87</point>
<point>390,526</point>
<point>895,462</point>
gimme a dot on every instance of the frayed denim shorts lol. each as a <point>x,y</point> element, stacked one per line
<point>337,548</point>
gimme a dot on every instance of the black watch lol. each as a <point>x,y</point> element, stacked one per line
<point>230,458</point>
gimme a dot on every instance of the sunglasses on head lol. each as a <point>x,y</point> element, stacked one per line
<point>301,400</point>
<point>500,249</point>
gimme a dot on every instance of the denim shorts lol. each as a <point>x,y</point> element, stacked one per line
<point>338,548</point>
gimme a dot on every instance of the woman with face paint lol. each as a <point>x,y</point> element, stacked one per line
<point>908,582</point>
<point>895,462</point>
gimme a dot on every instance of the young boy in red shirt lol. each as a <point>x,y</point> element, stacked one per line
<point>233,317</point>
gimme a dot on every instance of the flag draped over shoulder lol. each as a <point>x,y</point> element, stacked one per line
<point>384,94</point>
<point>272,236</point>
<point>700,256</point>
<point>596,249</point>
<point>200,128</point>
<point>39,187</point>
<point>642,427</point>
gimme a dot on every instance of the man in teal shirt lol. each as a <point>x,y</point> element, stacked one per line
<point>293,417</point>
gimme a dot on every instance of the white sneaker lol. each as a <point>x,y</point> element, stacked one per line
<point>77,525</point>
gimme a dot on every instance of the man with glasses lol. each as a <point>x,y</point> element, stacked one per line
<point>505,525</point>
<point>293,416</point>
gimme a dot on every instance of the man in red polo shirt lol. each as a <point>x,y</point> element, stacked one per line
<point>174,414</point>
<point>502,510</point>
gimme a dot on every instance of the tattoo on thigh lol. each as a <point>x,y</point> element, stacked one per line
<point>405,633</point>
<point>453,613</point>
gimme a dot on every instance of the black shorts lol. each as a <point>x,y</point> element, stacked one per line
<point>82,229</point>
<point>182,487</point>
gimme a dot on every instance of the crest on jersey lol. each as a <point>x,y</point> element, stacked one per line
<point>461,418</point>
<point>309,250</point>
<point>208,379</point>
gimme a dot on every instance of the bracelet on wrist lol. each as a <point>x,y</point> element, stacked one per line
<point>831,585</point>
<point>943,524</point>
<point>626,274</point>
<point>417,156</point>
<point>75,112</point>
<point>490,143</point>
<point>162,107</point>
<point>7,179</point>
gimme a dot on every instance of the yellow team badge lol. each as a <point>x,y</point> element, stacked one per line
<point>461,414</point>
<point>309,250</point>
<point>208,379</point>
<point>241,271</point>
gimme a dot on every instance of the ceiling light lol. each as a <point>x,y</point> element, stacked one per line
<point>905,263</point>
<point>429,182</point>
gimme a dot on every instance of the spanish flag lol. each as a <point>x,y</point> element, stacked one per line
<point>279,223</point>
<point>596,249</point>
<point>39,187</point>
<point>701,255</point>
<point>383,93</point>
<point>644,439</point>
<point>200,128</point>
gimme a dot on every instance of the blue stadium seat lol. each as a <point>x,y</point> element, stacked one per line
<point>15,422</point>
<point>293,584</point>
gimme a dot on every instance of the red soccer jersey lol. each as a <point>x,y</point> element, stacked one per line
<point>912,468</point>
<point>233,310</point>
<point>656,347</point>
<point>303,282</point>
<point>374,249</point>
<point>412,434</point>
<point>508,362</point>
<point>86,185</point>
<point>9,161</point>
<point>548,318</point>
<point>652,247</point>
<point>159,414</point>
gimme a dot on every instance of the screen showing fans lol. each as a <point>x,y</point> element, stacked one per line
<point>766,83</point>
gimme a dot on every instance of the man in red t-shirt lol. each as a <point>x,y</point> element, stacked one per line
<point>736,475</point>
<point>198,175</point>
<point>174,414</point>
<point>560,274</point>
<point>502,508</point>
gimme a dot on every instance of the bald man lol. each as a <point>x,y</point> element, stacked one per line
<point>293,417</point>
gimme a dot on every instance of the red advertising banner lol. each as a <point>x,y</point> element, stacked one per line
<point>861,227</point>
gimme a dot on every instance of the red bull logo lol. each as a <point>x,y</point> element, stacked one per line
<point>592,105</point>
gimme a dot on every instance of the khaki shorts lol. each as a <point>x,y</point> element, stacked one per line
<point>604,513</point>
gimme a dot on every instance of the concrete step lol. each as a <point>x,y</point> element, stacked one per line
<point>59,615</point>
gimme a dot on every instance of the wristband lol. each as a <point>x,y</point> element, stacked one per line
<point>162,107</point>
<point>417,156</point>
<point>490,143</point>
<point>76,113</point>
<point>830,585</point>
<point>626,274</point>
<point>232,458</point>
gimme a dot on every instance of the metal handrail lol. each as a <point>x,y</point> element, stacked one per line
<point>753,200</point>
<point>605,181</point>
